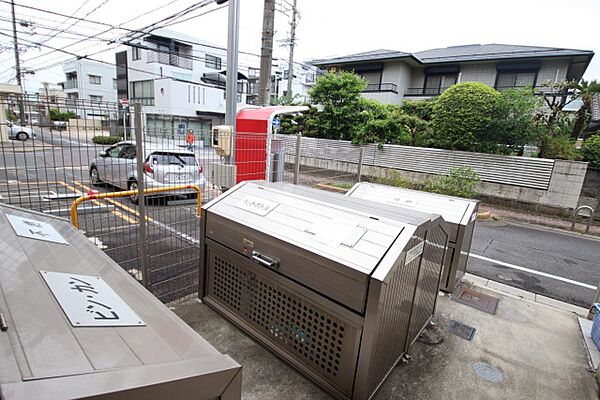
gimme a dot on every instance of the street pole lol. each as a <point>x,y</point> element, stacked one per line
<point>17,61</point>
<point>125,122</point>
<point>233,19</point>
<point>292,44</point>
<point>266,53</point>
<point>142,236</point>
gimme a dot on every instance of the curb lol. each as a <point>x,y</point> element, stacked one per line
<point>524,295</point>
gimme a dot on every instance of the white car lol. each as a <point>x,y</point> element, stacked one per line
<point>163,167</point>
<point>19,132</point>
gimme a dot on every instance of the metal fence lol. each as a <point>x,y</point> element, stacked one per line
<point>55,162</point>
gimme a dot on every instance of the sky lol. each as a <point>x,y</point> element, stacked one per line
<point>326,28</point>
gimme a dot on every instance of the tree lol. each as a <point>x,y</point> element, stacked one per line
<point>339,95</point>
<point>584,90</point>
<point>422,109</point>
<point>514,124</point>
<point>381,123</point>
<point>462,116</point>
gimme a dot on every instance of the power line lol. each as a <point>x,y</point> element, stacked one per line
<point>74,13</point>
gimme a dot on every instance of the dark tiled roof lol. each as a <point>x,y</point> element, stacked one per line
<point>373,55</point>
<point>493,51</point>
<point>471,52</point>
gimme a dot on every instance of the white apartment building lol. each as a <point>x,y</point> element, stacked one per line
<point>89,82</point>
<point>180,81</point>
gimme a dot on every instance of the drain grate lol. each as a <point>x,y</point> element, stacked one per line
<point>475,299</point>
<point>461,330</point>
<point>488,372</point>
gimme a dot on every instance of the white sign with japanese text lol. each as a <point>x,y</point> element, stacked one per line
<point>256,205</point>
<point>89,301</point>
<point>34,229</point>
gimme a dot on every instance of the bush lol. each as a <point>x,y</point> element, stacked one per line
<point>591,150</point>
<point>461,182</point>
<point>462,116</point>
<point>394,178</point>
<point>107,140</point>
<point>561,147</point>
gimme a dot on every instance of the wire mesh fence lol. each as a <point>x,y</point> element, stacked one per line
<point>53,151</point>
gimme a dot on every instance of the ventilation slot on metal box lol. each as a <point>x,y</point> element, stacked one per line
<point>299,326</point>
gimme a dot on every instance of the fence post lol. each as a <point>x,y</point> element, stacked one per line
<point>139,151</point>
<point>360,162</point>
<point>297,165</point>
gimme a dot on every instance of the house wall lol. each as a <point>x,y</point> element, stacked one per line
<point>85,89</point>
<point>553,70</point>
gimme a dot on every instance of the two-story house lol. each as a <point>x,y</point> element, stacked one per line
<point>394,75</point>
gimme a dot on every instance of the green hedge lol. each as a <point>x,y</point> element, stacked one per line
<point>108,140</point>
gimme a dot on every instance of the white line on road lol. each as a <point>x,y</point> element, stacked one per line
<point>533,271</point>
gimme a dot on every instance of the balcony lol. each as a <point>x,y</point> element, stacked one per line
<point>425,91</point>
<point>146,101</point>
<point>381,87</point>
<point>181,61</point>
<point>70,84</point>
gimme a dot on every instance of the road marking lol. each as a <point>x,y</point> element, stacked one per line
<point>533,271</point>
<point>116,203</point>
<point>114,212</point>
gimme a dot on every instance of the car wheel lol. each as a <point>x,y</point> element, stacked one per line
<point>22,136</point>
<point>95,176</point>
<point>133,186</point>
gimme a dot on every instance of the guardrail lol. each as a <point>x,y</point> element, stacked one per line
<point>126,193</point>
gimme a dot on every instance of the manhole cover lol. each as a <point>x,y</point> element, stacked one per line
<point>461,330</point>
<point>475,299</point>
<point>488,372</point>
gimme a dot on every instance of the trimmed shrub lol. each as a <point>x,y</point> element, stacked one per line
<point>107,140</point>
<point>462,116</point>
<point>560,147</point>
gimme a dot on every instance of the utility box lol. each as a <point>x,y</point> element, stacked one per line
<point>460,214</point>
<point>223,174</point>
<point>78,326</point>
<point>222,139</point>
<point>337,287</point>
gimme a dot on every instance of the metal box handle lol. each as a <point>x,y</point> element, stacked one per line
<point>264,260</point>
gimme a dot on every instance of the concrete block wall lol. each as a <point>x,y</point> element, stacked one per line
<point>562,195</point>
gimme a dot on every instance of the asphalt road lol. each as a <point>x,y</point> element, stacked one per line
<point>561,254</point>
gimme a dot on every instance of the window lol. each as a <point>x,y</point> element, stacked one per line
<point>96,99</point>
<point>115,150</point>
<point>286,74</point>
<point>143,91</point>
<point>115,84</point>
<point>510,79</point>
<point>95,79</point>
<point>438,83</point>
<point>253,72</point>
<point>516,74</point>
<point>128,152</point>
<point>213,62</point>
<point>136,53</point>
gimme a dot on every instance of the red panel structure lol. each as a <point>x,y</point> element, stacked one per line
<point>253,125</point>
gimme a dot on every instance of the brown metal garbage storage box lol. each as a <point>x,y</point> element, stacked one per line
<point>78,326</point>
<point>459,213</point>
<point>337,288</point>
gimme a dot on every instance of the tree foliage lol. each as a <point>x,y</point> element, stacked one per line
<point>513,124</point>
<point>339,95</point>
<point>381,123</point>
<point>56,115</point>
<point>462,116</point>
<point>591,150</point>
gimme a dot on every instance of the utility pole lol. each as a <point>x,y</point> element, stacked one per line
<point>266,53</point>
<point>233,20</point>
<point>292,44</point>
<point>17,62</point>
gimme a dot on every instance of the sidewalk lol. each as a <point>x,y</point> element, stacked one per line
<point>521,216</point>
<point>537,348</point>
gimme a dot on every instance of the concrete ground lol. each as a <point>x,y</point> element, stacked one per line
<point>537,347</point>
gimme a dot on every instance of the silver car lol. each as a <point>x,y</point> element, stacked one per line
<point>163,167</point>
<point>19,132</point>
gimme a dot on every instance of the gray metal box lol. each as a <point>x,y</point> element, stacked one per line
<point>68,336</point>
<point>460,214</point>
<point>337,287</point>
